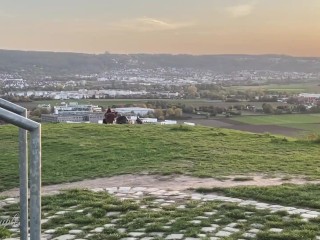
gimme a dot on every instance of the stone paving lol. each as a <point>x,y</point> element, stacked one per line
<point>209,224</point>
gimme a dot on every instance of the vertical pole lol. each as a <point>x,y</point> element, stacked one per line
<point>35,185</point>
<point>23,172</point>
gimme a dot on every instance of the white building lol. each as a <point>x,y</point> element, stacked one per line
<point>134,110</point>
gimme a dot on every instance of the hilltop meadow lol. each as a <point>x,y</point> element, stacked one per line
<point>73,152</point>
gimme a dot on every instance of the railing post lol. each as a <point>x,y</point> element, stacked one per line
<point>23,167</point>
<point>23,172</point>
<point>17,116</point>
<point>35,185</point>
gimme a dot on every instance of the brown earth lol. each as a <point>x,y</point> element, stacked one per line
<point>232,124</point>
<point>175,182</point>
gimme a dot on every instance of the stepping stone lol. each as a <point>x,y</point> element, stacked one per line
<point>97,230</point>
<point>208,229</point>
<point>75,231</point>
<point>249,235</point>
<point>111,214</point>
<point>65,237</point>
<point>97,190</point>
<point>139,194</point>
<point>147,238</point>
<point>129,238</point>
<point>136,234</point>
<point>201,217</point>
<point>80,211</point>
<point>276,230</point>
<point>141,230</point>
<point>232,225</point>
<point>223,234</point>
<point>50,231</point>
<point>256,225</point>
<point>89,235</point>
<point>242,220</point>
<point>165,204</point>
<point>156,234</point>
<point>254,230</point>
<point>122,230</point>
<point>174,236</point>
<point>308,216</point>
<point>110,225</point>
<point>43,221</point>
<point>9,199</point>
<point>230,229</point>
<point>201,235</point>
<point>70,225</point>
<point>61,212</point>
<point>190,238</point>
<point>181,207</point>
<point>214,238</point>
<point>196,221</point>
<point>210,213</point>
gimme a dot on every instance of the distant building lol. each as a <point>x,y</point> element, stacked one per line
<point>45,106</point>
<point>74,108</point>
<point>74,113</point>
<point>60,118</point>
<point>134,110</point>
<point>309,98</point>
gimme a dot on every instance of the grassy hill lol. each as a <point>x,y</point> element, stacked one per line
<point>81,151</point>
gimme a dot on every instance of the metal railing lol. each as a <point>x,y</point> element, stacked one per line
<point>17,115</point>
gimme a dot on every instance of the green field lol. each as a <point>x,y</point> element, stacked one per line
<point>308,122</point>
<point>83,151</point>
<point>289,88</point>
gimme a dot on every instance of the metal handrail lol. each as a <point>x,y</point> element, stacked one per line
<point>9,112</point>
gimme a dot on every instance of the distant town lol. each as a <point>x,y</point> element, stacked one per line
<point>232,84</point>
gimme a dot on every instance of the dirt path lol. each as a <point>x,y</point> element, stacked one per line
<point>162,182</point>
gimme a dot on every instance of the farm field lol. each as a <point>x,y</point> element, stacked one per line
<point>290,88</point>
<point>84,151</point>
<point>310,123</point>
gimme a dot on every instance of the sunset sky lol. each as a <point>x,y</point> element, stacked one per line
<point>289,27</point>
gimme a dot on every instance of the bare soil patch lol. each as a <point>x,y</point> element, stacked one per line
<point>177,182</point>
<point>273,129</point>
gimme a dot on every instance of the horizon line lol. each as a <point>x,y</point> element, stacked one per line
<point>172,54</point>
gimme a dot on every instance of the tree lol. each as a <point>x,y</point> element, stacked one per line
<point>192,91</point>
<point>267,108</point>
<point>188,109</point>
<point>170,112</point>
<point>178,112</point>
<point>158,113</point>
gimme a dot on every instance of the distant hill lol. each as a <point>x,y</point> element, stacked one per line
<point>63,63</point>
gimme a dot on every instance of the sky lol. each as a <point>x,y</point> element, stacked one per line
<point>290,27</point>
